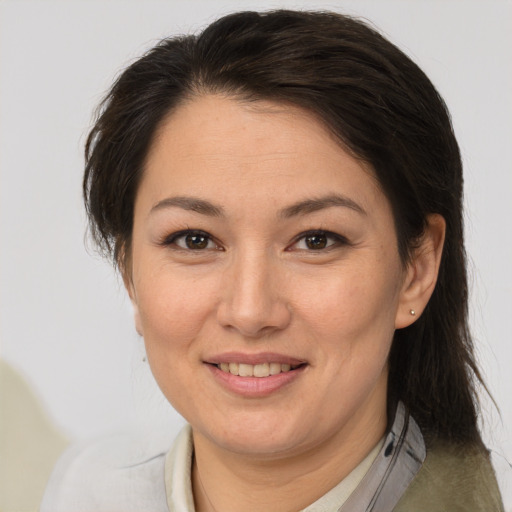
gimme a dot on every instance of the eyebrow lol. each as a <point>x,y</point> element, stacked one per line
<point>301,208</point>
<point>189,203</point>
<point>314,205</point>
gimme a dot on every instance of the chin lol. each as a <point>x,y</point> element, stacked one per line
<point>255,435</point>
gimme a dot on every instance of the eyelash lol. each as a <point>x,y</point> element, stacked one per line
<point>337,240</point>
<point>171,239</point>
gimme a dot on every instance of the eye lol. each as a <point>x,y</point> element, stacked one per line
<point>318,240</point>
<point>191,239</point>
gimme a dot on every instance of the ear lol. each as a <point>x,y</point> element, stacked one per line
<point>126,272</point>
<point>421,274</point>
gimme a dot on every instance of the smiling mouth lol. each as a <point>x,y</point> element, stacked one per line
<point>256,370</point>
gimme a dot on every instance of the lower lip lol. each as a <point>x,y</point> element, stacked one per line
<point>255,387</point>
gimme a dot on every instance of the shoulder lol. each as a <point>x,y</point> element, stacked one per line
<point>118,472</point>
<point>452,478</point>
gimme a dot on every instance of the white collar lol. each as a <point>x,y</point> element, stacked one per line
<point>178,465</point>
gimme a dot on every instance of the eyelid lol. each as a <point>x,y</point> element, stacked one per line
<point>170,240</point>
<point>339,239</point>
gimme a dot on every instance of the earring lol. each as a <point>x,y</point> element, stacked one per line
<point>412,312</point>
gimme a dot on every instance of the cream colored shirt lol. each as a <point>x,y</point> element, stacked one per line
<point>132,473</point>
<point>178,465</point>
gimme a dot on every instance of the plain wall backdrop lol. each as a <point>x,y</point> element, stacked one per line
<point>65,322</point>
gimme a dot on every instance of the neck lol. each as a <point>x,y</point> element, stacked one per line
<point>226,481</point>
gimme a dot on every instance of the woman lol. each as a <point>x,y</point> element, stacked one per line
<point>283,197</point>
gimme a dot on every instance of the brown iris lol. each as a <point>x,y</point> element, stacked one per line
<point>196,241</point>
<point>316,241</point>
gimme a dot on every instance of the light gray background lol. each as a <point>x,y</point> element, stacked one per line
<point>65,323</point>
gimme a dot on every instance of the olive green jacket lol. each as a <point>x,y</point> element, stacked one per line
<point>453,479</point>
<point>406,476</point>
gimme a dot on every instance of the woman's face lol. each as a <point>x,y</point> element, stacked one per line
<point>265,277</point>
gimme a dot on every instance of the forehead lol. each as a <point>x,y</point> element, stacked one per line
<point>234,149</point>
<point>232,120</point>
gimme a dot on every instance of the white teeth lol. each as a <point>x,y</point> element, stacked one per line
<point>275,368</point>
<point>256,370</point>
<point>245,370</point>
<point>261,370</point>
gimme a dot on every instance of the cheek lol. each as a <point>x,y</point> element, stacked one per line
<point>353,302</point>
<point>172,311</point>
<point>172,314</point>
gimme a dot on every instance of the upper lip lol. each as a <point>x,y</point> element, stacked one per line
<point>253,359</point>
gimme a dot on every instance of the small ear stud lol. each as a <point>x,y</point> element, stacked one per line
<point>412,312</point>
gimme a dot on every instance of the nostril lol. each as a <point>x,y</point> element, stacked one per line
<point>255,323</point>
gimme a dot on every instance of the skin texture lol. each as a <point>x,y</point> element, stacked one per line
<point>253,286</point>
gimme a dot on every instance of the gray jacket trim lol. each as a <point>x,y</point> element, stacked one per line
<point>400,459</point>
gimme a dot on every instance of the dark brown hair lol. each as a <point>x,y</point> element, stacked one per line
<point>377,103</point>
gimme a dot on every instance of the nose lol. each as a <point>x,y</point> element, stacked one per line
<point>253,302</point>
